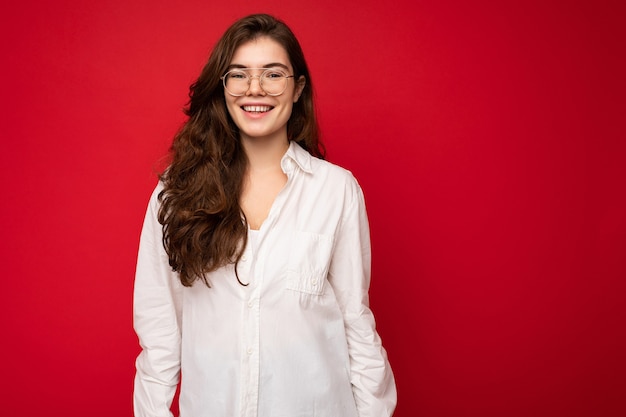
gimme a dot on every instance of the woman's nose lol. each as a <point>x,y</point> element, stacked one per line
<point>254,87</point>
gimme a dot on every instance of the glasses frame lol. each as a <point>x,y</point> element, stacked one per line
<point>250,77</point>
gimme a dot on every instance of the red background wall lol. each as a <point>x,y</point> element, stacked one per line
<point>489,140</point>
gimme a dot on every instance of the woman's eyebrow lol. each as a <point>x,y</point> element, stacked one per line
<point>276,64</point>
<point>270,65</point>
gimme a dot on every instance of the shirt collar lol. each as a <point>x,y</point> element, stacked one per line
<point>298,155</point>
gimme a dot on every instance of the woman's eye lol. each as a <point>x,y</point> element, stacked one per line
<point>237,75</point>
<point>274,75</point>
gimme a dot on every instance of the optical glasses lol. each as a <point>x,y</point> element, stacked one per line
<point>272,81</point>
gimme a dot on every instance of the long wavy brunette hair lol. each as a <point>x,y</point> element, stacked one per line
<point>204,227</point>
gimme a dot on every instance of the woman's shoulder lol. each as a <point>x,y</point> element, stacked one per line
<point>335,180</point>
<point>321,168</point>
<point>334,171</point>
<point>154,195</point>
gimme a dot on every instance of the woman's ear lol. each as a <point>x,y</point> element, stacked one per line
<point>299,87</point>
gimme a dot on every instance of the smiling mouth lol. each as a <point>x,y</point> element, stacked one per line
<point>256,109</point>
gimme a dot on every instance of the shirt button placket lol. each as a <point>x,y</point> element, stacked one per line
<point>251,343</point>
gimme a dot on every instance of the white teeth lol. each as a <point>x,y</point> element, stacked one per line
<point>258,109</point>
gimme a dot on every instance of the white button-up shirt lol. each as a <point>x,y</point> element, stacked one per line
<point>298,341</point>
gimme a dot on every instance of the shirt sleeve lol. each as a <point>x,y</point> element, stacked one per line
<point>157,312</point>
<point>372,379</point>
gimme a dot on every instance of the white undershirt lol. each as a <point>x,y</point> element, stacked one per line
<point>253,240</point>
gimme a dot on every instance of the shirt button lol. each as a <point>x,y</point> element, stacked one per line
<point>249,351</point>
<point>314,281</point>
<point>250,304</point>
<point>244,258</point>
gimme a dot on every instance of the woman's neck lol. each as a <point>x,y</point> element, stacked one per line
<point>264,178</point>
<point>264,154</point>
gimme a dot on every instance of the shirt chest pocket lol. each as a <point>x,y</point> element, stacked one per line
<point>308,263</point>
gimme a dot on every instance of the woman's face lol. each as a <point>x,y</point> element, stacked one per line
<point>260,116</point>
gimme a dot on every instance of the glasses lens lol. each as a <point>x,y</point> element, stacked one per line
<point>274,82</point>
<point>236,82</point>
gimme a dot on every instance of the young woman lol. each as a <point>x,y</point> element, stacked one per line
<point>254,262</point>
